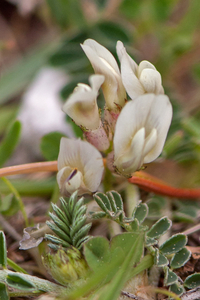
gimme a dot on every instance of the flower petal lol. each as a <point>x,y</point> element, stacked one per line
<point>104,63</point>
<point>132,159</point>
<point>84,157</point>
<point>144,64</point>
<point>129,78</point>
<point>151,81</point>
<point>82,107</point>
<point>101,52</point>
<point>154,113</point>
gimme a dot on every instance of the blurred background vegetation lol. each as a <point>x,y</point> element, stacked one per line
<point>38,33</point>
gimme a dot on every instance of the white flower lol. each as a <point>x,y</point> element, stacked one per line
<point>80,167</point>
<point>140,132</point>
<point>104,63</point>
<point>140,79</point>
<point>82,107</point>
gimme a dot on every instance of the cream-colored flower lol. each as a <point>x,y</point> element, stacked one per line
<point>82,107</point>
<point>104,63</point>
<point>140,132</point>
<point>80,167</point>
<point>138,79</point>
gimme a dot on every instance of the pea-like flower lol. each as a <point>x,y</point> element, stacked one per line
<point>140,132</point>
<point>138,79</point>
<point>80,167</point>
<point>82,107</point>
<point>104,63</point>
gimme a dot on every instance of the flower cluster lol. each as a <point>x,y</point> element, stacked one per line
<point>132,132</point>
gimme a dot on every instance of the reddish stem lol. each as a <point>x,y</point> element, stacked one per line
<point>152,184</point>
<point>143,180</point>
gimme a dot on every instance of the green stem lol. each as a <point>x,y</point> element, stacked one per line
<point>21,204</point>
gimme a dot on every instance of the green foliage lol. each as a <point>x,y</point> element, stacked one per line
<point>159,259</point>
<point>9,142</point>
<point>3,292</point>
<point>112,32</point>
<point>18,281</point>
<point>170,277</point>
<point>177,288</point>
<point>3,250</point>
<point>122,254</point>
<point>192,281</point>
<point>141,212</point>
<point>180,258</point>
<point>9,205</point>
<point>50,144</point>
<point>173,244</point>
<point>67,12</point>
<point>68,223</point>
<point>16,78</point>
<point>159,228</point>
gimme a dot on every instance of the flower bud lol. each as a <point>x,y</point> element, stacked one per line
<point>66,266</point>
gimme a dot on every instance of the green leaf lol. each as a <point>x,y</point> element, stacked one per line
<point>101,204</point>
<point>50,144</point>
<point>113,31</point>
<point>59,232</point>
<point>104,272</point>
<point>9,205</point>
<point>159,228</point>
<point>7,115</point>
<point>104,199</point>
<point>17,77</point>
<point>116,197</point>
<point>81,233</point>
<point>177,289</point>
<point>173,244</point>
<point>160,260</point>
<point>63,225</point>
<point>97,252</point>
<point>3,250</point>
<point>57,241</point>
<point>67,12</point>
<point>18,281</point>
<point>170,277</point>
<point>135,225</point>
<point>141,212</point>
<point>192,281</point>
<point>113,289</point>
<point>3,292</point>
<point>97,215</point>
<point>15,267</point>
<point>72,58</point>
<point>131,8</point>
<point>180,258</point>
<point>150,241</point>
<point>125,242</point>
<point>9,142</point>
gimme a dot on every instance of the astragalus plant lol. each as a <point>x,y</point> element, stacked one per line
<point>118,140</point>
